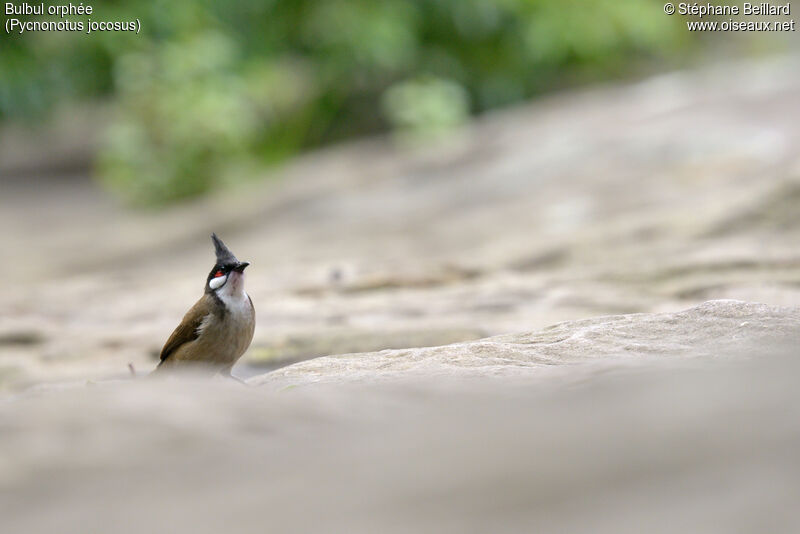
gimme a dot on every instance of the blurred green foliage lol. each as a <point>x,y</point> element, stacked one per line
<point>208,85</point>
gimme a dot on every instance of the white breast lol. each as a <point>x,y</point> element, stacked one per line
<point>237,305</point>
<point>234,296</point>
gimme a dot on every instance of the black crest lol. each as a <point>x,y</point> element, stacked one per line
<point>224,256</point>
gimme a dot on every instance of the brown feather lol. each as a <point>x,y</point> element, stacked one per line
<point>188,330</point>
<point>211,335</point>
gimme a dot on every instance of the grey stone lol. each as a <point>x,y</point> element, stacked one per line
<point>660,423</point>
<point>723,329</point>
<point>583,234</point>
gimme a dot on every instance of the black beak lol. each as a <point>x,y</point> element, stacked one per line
<point>240,267</point>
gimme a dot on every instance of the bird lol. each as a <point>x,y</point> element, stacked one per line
<point>218,329</point>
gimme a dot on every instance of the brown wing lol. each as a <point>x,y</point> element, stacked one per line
<point>188,329</point>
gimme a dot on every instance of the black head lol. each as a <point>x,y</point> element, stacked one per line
<point>226,263</point>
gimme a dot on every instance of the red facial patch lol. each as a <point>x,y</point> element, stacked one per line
<point>218,274</point>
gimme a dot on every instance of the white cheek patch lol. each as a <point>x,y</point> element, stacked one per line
<point>219,281</point>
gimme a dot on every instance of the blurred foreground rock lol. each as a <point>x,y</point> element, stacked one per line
<point>684,422</point>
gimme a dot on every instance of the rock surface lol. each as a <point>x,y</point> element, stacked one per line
<point>613,215</point>
<point>721,329</point>
<point>650,197</point>
<point>684,422</point>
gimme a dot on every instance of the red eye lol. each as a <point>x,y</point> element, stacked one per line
<point>218,274</point>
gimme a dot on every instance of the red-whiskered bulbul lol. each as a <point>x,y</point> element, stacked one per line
<point>217,330</point>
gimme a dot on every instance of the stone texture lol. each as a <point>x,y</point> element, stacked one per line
<point>650,197</point>
<point>691,429</point>
<point>716,329</point>
<point>591,235</point>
